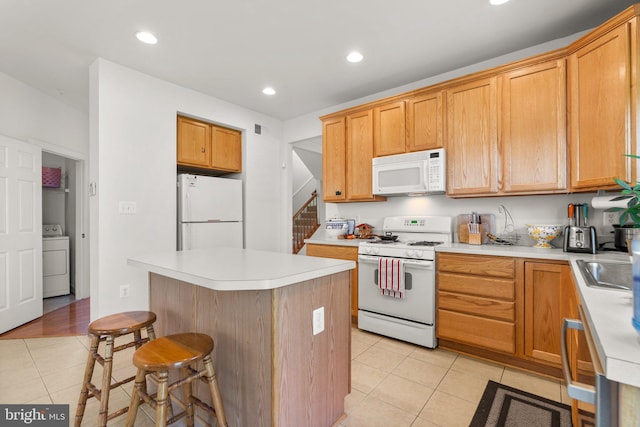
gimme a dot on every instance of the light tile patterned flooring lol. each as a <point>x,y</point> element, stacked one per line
<point>398,384</point>
<point>394,384</point>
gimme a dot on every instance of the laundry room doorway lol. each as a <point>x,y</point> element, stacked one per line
<point>65,243</point>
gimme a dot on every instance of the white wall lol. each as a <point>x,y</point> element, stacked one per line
<point>133,158</point>
<point>524,210</point>
<point>28,114</point>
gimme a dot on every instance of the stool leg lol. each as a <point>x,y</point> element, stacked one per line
<point>151,333</point>
<point>161,398</point>
<point>88,373</point>
<point>135,397</point>
<point>210,375</point>
<point>106,381</point>
<point>137,338</point>
<point>188,401</point>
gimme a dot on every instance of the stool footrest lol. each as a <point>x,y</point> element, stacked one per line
<point>199,403</point>
<point>118,413</point>
<point>97,393</point>
<point>136,343</point>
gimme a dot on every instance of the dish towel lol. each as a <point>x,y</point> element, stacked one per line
<point>391,277</point>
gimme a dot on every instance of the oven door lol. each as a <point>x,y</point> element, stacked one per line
<point>418,303</point>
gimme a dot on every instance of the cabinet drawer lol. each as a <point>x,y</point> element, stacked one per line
<point>488,333</point>
<point>335,252</point>
<point>485,307</point>
<point>476,285</point>
<point>479,265</point>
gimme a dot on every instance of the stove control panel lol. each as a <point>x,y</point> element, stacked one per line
<point>413,222</point>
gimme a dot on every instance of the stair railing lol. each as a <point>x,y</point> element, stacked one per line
<point>305,222</point>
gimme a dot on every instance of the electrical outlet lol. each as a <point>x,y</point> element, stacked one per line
<point>318,320</point>
<point>124,291</point>
<point>610,218</point>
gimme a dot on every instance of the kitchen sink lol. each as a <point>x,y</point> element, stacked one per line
<point>607,275</point>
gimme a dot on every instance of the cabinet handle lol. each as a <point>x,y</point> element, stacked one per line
<point>338,193</point>
<point>202,150</point>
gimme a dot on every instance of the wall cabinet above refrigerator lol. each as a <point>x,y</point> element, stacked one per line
<point>207,146</point>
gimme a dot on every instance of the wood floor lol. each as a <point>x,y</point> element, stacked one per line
<point>69,320</point>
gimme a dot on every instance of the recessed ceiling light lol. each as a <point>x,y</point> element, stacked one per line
<point>147,38</point>
<point>269,91</point>
<point>497,2</point>
<point>355,57</point>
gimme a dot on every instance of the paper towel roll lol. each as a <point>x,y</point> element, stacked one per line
<point>608,202</point>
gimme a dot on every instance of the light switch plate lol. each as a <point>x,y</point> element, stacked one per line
<point>127,208</point>
<point>318,320</point>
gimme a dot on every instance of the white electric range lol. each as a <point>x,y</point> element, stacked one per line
<point>409,241</point>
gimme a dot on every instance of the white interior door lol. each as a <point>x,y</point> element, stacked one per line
<point>20,233</point>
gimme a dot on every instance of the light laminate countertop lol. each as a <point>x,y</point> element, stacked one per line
<point>320,238</point>
<point>230,269</point>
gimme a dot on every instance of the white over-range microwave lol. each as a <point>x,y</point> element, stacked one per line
<point>421,172</point>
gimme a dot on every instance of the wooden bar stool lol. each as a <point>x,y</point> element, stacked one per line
<point>107,329</point>
<point>179,351</point>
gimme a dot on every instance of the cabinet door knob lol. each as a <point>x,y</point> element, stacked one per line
<point>202,150</point>
<point>338,193</point>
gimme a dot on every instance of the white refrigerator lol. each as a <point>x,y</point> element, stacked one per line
<point>209,212</point>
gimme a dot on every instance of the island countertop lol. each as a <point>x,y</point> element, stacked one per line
<point>231,269</point>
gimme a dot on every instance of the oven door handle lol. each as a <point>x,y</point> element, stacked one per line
<point>411,263</point>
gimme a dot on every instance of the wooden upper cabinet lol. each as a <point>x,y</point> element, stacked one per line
<point>602,128</point>
<point>334,159</point>
<point>226,149</point>
<point>472,138</point>
<point>533,128</point>
<point>206,146</point>
<point>194,143</point>
<point>425,121</point>
<point>359,155</point>
<point>389,133</point>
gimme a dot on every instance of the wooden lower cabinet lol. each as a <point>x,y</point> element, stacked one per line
<point>341,252</point>
<point>508,310</point>
<point>476,301</point>
<point>548,295</point>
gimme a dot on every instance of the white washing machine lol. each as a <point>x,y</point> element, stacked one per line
<point>55,261</point>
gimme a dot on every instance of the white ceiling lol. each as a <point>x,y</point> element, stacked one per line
<point>232,49</point>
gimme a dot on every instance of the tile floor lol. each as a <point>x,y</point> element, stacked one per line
<point>394,384</point>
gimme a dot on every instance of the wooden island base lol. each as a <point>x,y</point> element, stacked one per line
<point>272,370</point>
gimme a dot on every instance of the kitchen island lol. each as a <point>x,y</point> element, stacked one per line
<point>259,309</point>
